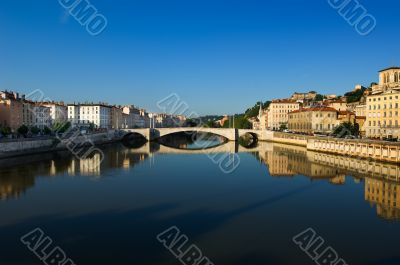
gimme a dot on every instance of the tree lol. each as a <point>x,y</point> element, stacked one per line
<point>346,128</point>
<point>319,97</point>
<point>5,130</point>
<point>23,130</point>
<point>47,130</point>
<point>34,130</point>
<point>283,127</point>
<point>61,127</point>
<point>91,126</point>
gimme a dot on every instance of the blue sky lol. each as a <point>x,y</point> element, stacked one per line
<point>218,56</point>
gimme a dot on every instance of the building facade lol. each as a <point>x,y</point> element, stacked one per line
<point>313,120</point>
<point>83,115</point>
<point>11,110</point>
<point>58,112</point>
<point>383,106</point>
<point>278,113</point>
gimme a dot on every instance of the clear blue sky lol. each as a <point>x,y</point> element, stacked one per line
<point>219,56</point>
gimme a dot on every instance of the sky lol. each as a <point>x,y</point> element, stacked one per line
<point>219,57</point>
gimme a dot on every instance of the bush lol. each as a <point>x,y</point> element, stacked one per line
<point>34,130</point>
<point>23,130</point>
<point>5,130</point>
<point>47,130</point>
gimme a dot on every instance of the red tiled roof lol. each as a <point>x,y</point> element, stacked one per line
<point>327,109</point>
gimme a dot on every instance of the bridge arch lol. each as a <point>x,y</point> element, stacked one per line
<point>229,134</point>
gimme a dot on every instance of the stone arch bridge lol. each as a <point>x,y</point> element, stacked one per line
<point>228,133</point>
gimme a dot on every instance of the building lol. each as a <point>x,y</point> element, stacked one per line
<point>11,110</point>
<point>278,113</point>
<point>83,115</point>
<point>58,112</point>
<point>339,104</point>
<point>117,122</point>
<point>41,116</point>
<point>383,106</point>
<point>131,117</point>
<point>385,195</point>
<point>314,120</point>
<point>310,96</point>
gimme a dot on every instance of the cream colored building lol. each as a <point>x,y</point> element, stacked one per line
<point>278,113</point>
<point>314,120</point>
<point>385,195</point>
<point>383,106</point>
<point>339,105</point>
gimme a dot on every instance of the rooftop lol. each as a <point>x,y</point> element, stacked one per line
<point>327,109</point>
<point>390,68</point>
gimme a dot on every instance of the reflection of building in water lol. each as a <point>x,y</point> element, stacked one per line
<point>385,195</point>
<point>13,187</point>
<point>278,164</point>
<point>283,160</point>
<point>339,180</point>
<point>91,166</point>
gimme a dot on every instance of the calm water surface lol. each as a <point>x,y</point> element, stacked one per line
<point>112,213</point>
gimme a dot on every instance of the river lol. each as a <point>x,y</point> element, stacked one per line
<point>244,212</point>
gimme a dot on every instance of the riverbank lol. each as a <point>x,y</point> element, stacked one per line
<point>359,148</point>
<point>22,147</point>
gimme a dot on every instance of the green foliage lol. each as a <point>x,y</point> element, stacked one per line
<point>283,127</point>
<point>91,126</point>
<point>47,130</point>
<point>61,127</point>
<point>211,124</point>
<point>5,130</point>
<point>241,122</point>
<point>253,111</point>
<point>319,97</point>
<point>347,128</point>
<point>34,130</point>
<point>191,123</point>
<point>355,96</point>
<point>23,130</point>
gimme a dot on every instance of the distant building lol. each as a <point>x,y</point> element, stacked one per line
<point>304,96</point>
<point>11,110</point>
<point>313,120</point>
<point>278,113</point>
<point>82,115</point>
<point>339,104</point>
<point>58,111</point>
<point>383,106</point>
<point>116,119</point>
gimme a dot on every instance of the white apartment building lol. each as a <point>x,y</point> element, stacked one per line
<point>82,115</point>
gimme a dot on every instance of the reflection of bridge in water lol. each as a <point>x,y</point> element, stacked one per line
<point>381,180</point>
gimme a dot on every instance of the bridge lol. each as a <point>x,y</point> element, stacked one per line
<point>228,133</point>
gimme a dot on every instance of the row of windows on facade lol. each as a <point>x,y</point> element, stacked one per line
<point>389,192</point>
<point>320,115</point>
<point>379,123</point>
<point>291,106</point>
<point>385,114</point>
<point>378,131</point>
<point>385,98</point>
<point>384,106</point>
<point>308,126</point>
<point>386,78</point>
